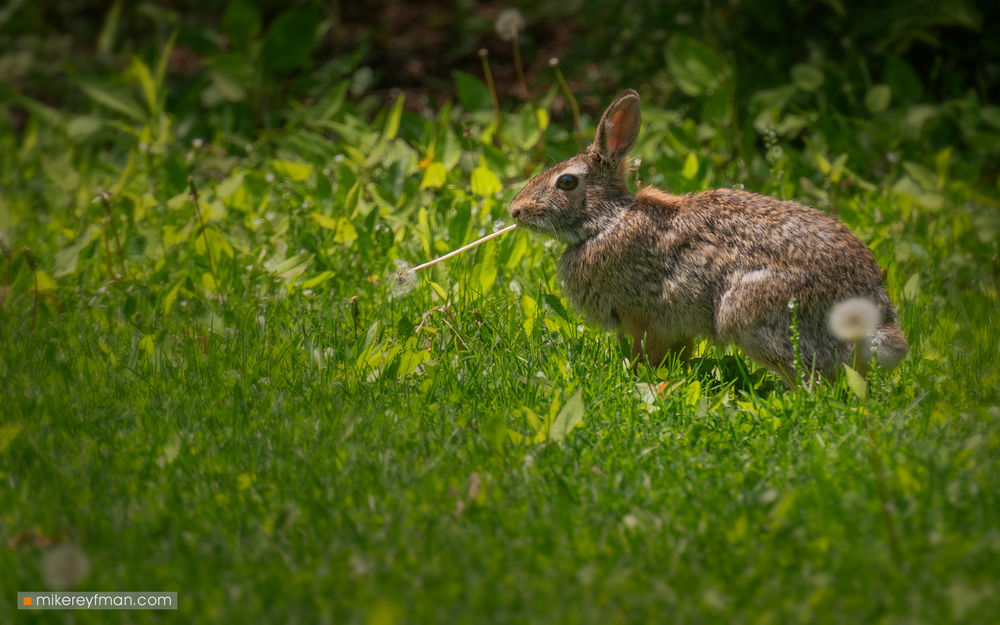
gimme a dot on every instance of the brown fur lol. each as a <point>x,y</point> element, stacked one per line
<point>722,264</point>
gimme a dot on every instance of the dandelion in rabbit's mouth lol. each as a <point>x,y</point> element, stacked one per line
<point>404,279</point>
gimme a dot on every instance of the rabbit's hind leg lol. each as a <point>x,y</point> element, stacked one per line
<point>753,314</point>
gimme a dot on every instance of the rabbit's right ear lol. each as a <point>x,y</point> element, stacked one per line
<point>619,127</point>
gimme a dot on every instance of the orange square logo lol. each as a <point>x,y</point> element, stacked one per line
<point>27,601</point>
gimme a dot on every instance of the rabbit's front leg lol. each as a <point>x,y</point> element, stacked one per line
<point>650,341</point>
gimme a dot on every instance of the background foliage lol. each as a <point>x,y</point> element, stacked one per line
<point>210,386</point>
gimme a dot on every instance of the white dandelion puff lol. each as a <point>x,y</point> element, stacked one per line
<point>403,280</point>
<point>508,23</point>
<point>854,319</point>
<point>64,566</point>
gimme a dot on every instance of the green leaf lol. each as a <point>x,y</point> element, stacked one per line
<point>542,117</point>
<point>168,300</point>
<point>911,290</point>
<point>856,383</point>
<point>424,230</point>
<point>529,309</point>
<point>878,98</point>
<point>106,40</point>
<point>485,275</point>
<point>569,417</point>
<point>241,21</point>
<point>392,120</point>
<point>690,169</point>
<point>79,128</point>
<point>147,344</point>
<point>140,71</point>
<point>293,170</point>
<point>8,432</point>
<point>115,101</point>
<point>290,268</point>
<point>434,176</point>
<point>484,182</point>
<point>694,65</point>
<point>345,232</point>
<point>990,115</point>
<point>290,39</point>
<point>439,291</point>
<point>905,82</point>
<point>388,133</point>
<point>324,222</point>
<point>209,283</point>
<point>472,93</point>
<point>230,185</point>
<point>807,77</point>
<point>65,260</point>
<point>318,279</point>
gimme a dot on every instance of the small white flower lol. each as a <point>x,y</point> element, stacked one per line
<point>197,143</point>
<point>64,566</point>
<point>307,292</point>
<point>508,23</point>
<point>269,177</point>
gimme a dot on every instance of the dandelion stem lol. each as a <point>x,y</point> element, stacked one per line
<point>520,73</point>
<point>464,247</point>
<point>484,55</point>
<point>568,94</point>
<point>110,222</point>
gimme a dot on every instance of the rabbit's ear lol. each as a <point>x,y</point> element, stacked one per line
<point>619,127</point>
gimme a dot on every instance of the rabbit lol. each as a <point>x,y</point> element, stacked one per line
<point>721,264</point>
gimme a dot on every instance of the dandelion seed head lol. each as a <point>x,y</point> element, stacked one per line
<point>508,23</point>
<point>854,319</point>
<point>403,280</point>
<point>64,566</point>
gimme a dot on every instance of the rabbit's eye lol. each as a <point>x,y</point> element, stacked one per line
<point>567,182</point>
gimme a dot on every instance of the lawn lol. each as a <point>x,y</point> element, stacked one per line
<point>210,385</point>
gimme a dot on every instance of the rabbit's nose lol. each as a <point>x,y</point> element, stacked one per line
<point>515,210</point>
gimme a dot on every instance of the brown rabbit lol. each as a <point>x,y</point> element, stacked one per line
<point>723,264</point>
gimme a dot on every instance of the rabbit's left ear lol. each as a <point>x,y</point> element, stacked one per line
<point>619,127</point>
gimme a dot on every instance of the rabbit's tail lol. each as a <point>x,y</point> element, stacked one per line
<point>859,321</point>
<point>890,345</point>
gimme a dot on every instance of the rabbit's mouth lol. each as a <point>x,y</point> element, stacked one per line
<point>533,218</point>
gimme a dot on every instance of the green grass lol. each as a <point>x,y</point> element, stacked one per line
<point>245,414</point>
